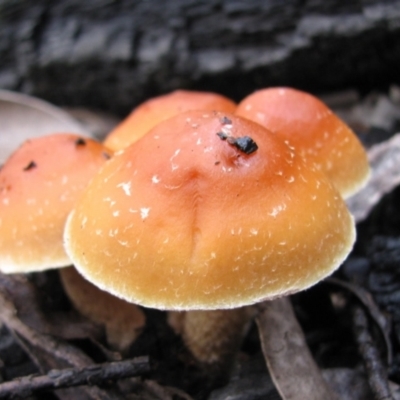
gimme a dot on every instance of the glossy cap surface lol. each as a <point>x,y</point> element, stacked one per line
<point>39,185</point>
<point>182,219</point>
<point>314,131</point>
<point>148,114</point>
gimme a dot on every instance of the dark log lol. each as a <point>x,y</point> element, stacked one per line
<point>112,54</point>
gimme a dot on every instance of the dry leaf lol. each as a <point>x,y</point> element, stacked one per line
<point>290,363</point>
<point>384,159</point>
<point>23,117</point>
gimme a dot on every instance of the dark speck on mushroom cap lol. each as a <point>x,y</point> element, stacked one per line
<point>80,142</point>
<point>30,166</point>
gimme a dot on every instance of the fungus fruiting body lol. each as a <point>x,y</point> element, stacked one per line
<point>151,112</point>
<point>39,185</point>
<point>204,225</point>
<point>123,321</point>
<point>314,131</point>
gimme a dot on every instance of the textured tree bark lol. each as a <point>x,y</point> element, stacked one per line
<point>111,54</point>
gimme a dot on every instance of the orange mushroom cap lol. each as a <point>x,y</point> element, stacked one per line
<point>151,112</point>
<point>314,131</point>
<point>39,185</point>
<point>184,219</point>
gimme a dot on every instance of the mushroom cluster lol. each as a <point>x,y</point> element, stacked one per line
<point>210,207</point>
<point>214,210</point>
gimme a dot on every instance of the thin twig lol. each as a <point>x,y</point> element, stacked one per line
<point>377,376</point>
<point>290,363</point>
<point>69,377</point>
<point>61,351</point>
<point>49,353</point>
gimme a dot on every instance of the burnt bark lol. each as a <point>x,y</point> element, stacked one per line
<point>96,374</point>
<point>111,54</point>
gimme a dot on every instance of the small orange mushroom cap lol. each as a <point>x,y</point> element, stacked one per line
<point>183,219</point>
<point>151,112</point>
<point>314,131</point>
<point>39,185</point>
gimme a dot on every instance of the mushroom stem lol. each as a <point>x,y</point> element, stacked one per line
<point>123,321</point>
<point>213,337</point>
